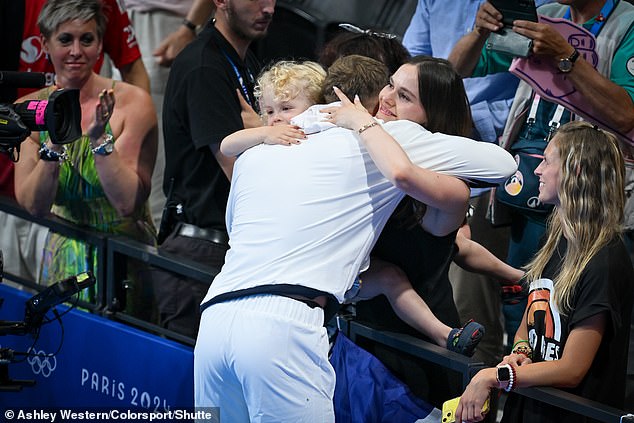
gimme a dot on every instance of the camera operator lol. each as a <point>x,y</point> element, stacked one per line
<point>22,240</point>
<point>102,180</point>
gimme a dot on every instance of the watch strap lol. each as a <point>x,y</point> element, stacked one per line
<point>574,56</point>
<point>102,149</point>
<point>49,155</point>
<point>189,24</point>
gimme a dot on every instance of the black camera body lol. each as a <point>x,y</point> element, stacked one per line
<point>60,115</point>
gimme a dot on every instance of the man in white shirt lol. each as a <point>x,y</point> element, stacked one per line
<point>301,222</point>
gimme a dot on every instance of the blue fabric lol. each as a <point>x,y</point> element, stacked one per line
<point>435,28</point>
<point>366,391</point>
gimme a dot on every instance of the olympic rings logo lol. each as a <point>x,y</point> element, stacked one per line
<point>42,363</point>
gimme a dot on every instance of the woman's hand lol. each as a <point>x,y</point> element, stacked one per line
<point>283,134</point>
<point>103,112</point>
<point>516,360</point>
<point>349,115</point>
<point>475,395</point>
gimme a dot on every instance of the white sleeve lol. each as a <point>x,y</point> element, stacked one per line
<point>480,163</point>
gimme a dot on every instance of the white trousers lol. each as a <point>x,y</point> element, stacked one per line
<point>264,358</point>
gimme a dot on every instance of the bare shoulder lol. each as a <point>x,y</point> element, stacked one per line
<point>43,93</point>
<point>133,101</point>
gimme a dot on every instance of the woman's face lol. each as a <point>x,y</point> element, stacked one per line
<point>74,49</point>
<point>548,174</point>
<point>399,99</point>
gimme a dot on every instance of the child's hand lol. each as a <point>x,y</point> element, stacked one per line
<point>284,135</point>
<point>349,115</point>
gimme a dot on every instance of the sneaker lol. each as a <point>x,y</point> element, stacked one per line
<point>464,340</point>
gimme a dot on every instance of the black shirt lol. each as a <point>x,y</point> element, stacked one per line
<point>606,285</point>
<point>200,108</point>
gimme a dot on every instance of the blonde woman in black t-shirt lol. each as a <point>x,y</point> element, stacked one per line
<point>575,330</point>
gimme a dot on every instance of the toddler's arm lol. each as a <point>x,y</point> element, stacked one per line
<point>244,139</point>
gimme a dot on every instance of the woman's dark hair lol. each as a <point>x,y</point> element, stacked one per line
<point>446,105</point>
<point>389,51</point>
<point>443,96</point>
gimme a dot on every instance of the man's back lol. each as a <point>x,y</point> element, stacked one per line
<point>309,214</point>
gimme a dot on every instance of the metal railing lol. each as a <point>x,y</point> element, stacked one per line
<point>450,360</point>
<point>114,251</point>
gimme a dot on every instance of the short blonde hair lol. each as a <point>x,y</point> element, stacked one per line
<point>288,79</point>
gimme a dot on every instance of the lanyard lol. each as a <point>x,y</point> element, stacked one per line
<point>245,91</point>
<point>601,17</point>
<point>554,123</point>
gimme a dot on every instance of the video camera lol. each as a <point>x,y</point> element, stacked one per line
<point>60,115</point>
<point>36,308</point>
<point>38,305</point>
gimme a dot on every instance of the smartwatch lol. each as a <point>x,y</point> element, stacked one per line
<point>503,374</point>
<point>565,65</point>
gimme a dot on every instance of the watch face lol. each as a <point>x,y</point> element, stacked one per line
<point>104,149</point>
<point>504,374</point>
<point>565,65</point>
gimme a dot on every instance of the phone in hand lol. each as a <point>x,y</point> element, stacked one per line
<point>449,409</point>
<point>513,10</point>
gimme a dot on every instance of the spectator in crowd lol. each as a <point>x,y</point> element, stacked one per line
<point>101,180</point>
<point>202,106</point>
<point>21,240</point>
<point>164,28</point>
<point>384,47</point>
<point>433,30</point>
<point>529,128</point>
<point>575,328</point>
<point>288,210</point>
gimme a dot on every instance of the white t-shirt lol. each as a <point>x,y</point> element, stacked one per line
<point>309,214</point>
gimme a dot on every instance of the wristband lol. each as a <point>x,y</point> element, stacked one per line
<point>50,155</point>
<point>524,350</point>
<point>189,24</point>
<point>513,380</point>
<point>521,341</point>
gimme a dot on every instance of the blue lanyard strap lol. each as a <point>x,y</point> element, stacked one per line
<point>601,17</point>
<point>245,91</point>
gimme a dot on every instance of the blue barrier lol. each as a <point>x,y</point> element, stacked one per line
<point>101,363</point>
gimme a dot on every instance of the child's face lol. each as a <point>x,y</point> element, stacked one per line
<point>279,112</point>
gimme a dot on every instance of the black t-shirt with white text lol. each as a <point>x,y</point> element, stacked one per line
<point>606,286</point>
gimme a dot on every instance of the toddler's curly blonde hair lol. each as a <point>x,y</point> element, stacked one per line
<point>288,79</point>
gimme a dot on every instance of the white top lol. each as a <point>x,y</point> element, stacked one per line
<point>178,7</point>
<point>309,214</point>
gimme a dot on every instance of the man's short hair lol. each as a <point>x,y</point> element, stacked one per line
<point>355,75</point>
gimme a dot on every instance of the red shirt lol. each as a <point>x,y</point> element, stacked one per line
<point>119,43</point>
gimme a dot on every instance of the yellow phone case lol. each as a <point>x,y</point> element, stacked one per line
<point>449,409</point>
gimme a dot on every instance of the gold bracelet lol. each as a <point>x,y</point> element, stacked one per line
<point>367,126</point>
